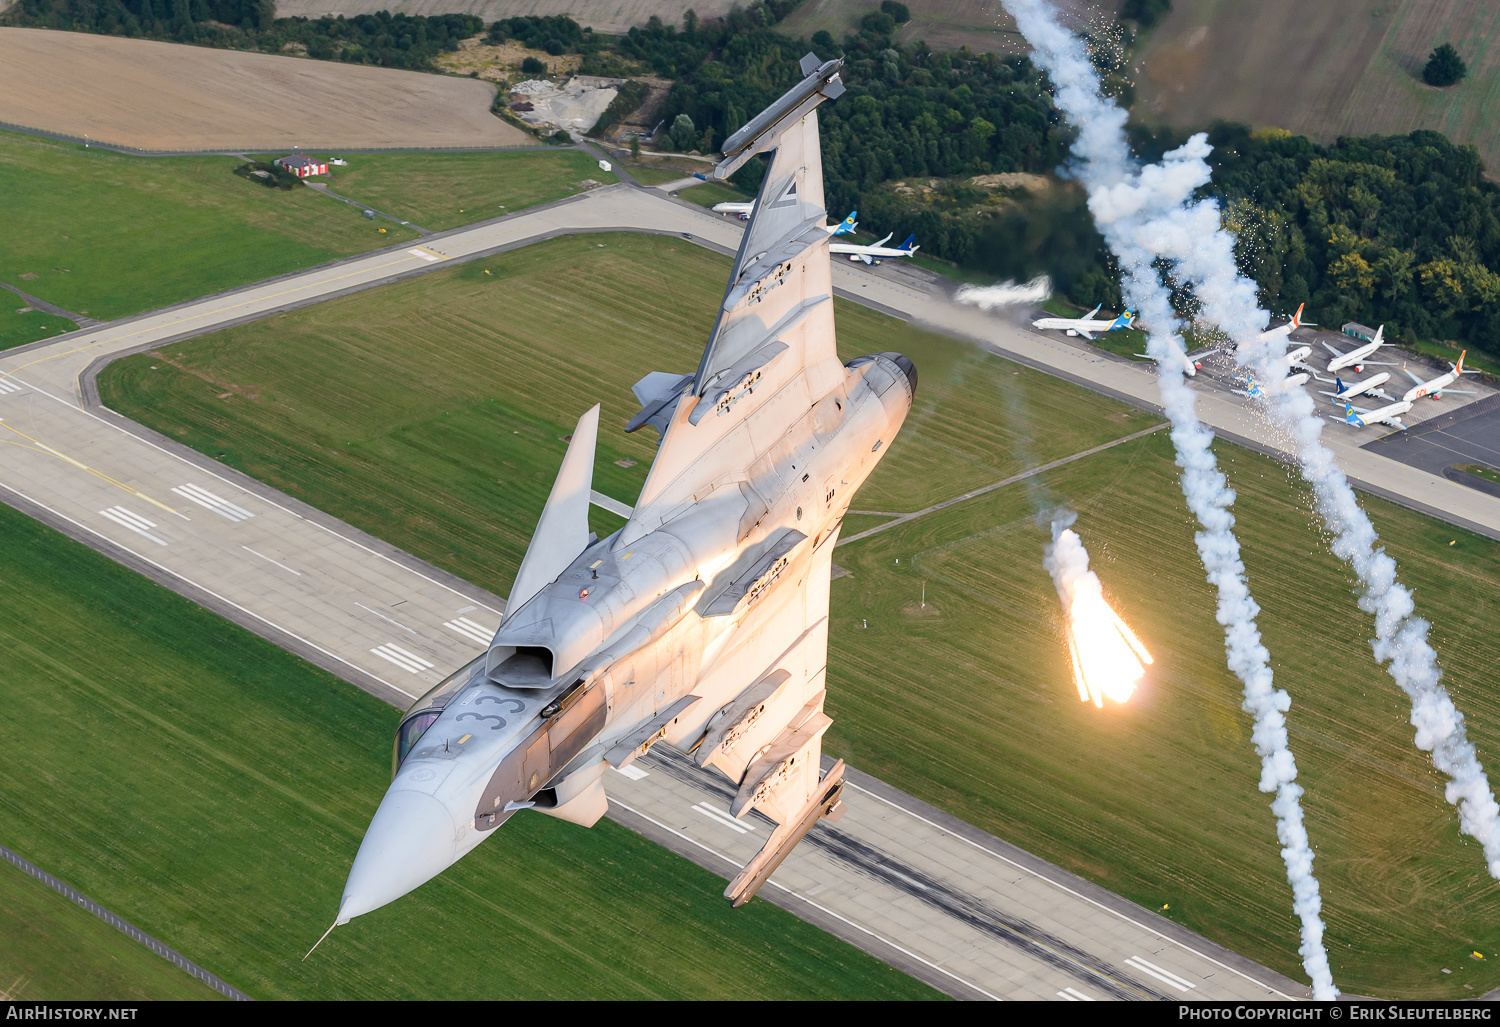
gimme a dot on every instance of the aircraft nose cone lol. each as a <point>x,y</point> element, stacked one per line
<point>411,840</point>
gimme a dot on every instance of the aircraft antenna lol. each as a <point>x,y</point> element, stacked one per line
<point>320,940</point>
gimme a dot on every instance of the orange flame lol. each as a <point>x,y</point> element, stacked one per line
<point>1108,659</point>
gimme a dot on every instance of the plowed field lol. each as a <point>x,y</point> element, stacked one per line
<point>165,96</point>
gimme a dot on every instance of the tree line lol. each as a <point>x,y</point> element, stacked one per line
<point>1400,230</point>
<point>384,39</point>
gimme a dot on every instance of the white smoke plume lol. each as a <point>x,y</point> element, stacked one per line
<point>1122,198</point>
<point>1005,294</point>
<point>1191,235</point>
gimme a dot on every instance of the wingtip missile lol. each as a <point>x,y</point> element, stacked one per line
<point>820,83</point>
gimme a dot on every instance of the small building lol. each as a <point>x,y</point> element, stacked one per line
<point>1363,333</point>
<point>303,167</point>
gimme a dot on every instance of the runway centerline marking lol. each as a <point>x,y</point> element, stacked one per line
<point>266,558</point>
<point>388,620</point>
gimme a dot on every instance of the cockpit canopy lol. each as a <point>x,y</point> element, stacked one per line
<point>423,713</point>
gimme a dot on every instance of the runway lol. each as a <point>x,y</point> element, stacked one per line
<point>950,904</point>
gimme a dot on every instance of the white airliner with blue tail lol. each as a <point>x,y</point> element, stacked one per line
<point>1085,326</point>
<point>868,253</point>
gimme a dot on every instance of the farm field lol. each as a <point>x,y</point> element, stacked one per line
<point>109,235</point>
<point>151,95</point>
<point>1155,800</point>
<point>981,25</point>
<point>51,947</point>
<point>1324,70</point>
<point>17,328</point>
<point>613,16</point>
<point>448,190</point>
<point>477,427</point>
<point>240,781</point>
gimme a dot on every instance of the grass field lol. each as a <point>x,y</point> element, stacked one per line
<point>212,789</point>
<point>1155,800</point>
<point>51,948</point>
<point>108,235</point>
<point>1350,67</point>
<point>710,193</point>
<point>478,428</point>
<point>654,176</point>
<point>1480,471</point>
<point>447,190</point>
<point>17,328</point>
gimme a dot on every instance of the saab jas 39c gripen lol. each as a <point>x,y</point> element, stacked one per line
<point>703,623</point>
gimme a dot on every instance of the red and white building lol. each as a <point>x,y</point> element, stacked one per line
<point>303,167</point>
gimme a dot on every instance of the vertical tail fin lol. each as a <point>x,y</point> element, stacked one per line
<point>1338,385</point>
<point>1297,317</point>
<point>911,245</point>
<point>1459,367</point>
<point>1350,416</point>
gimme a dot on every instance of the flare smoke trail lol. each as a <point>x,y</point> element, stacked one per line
<point>1005,294</point>
<point>1191,235</point>
<point>1108,173</point>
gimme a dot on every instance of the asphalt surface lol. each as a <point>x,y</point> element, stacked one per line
<point>954,906</point>
<point>1469,435</point>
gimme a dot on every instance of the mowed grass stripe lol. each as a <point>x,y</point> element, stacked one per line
<point>447,190</point>
<point>970,705</point>
<point>212,789</point>
<point>436,423</point>
<point>436,416</point>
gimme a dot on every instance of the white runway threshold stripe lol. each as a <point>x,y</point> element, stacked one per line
<point>631,771</point>
<point>205,498</point>
<point>1074,995</point>
<point>417,251</point>
<point>135,522</point>
<point>1165,976</point>
<point>409,662</point>
<point>9,384</point>
<point>469,629</point>
<point>724,819</point>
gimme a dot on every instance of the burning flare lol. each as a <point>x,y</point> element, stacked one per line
<point>1108,659</point>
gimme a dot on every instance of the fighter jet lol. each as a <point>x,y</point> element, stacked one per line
<point>854,251</point>
<point>702,623</point>
<point>1085,326</point>
<point>1439,385</point>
